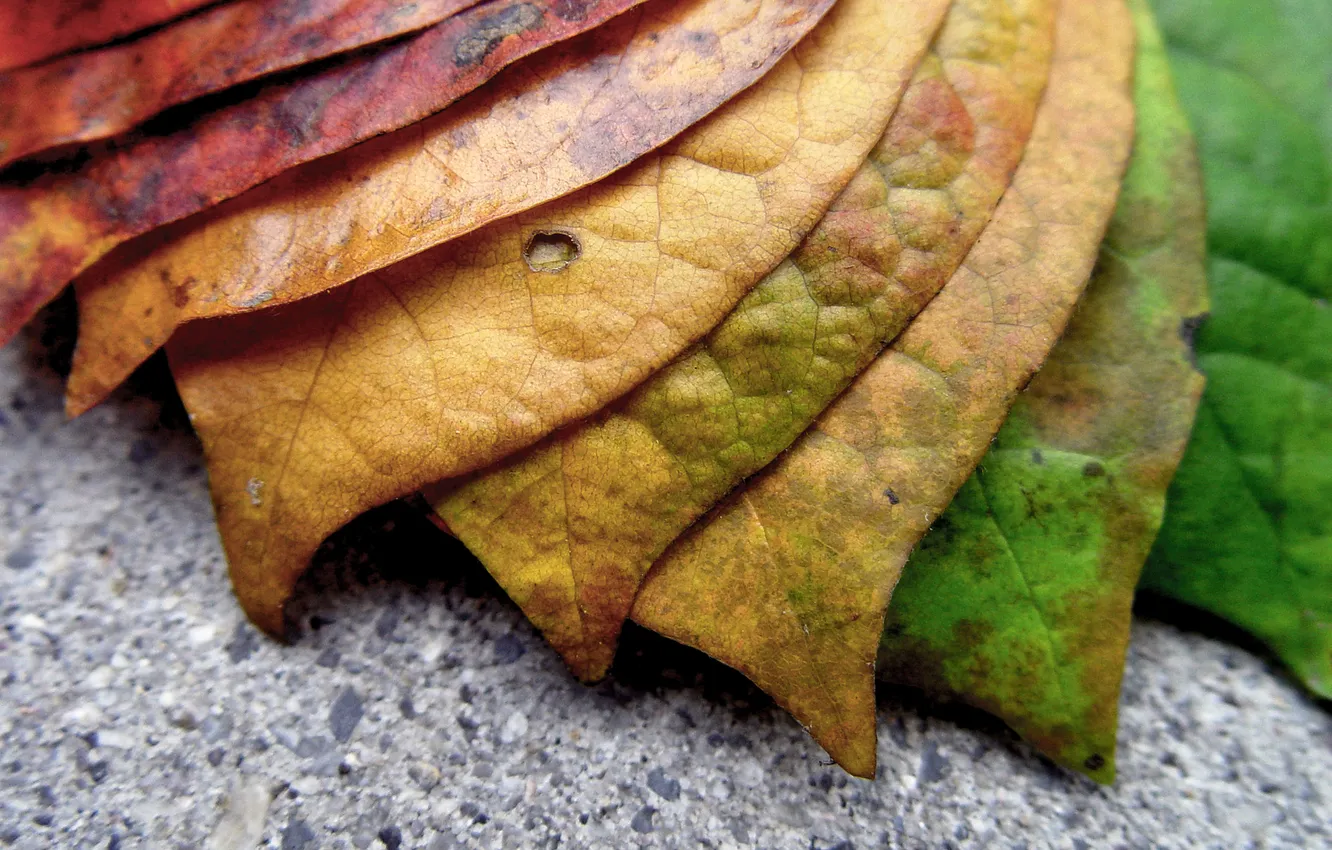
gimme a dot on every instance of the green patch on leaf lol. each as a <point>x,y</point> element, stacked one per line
<point>1019,599</point>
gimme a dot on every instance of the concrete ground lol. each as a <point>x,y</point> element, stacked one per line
<point>417,709</point>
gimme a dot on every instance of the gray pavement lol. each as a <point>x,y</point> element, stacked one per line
<point>417,709</point>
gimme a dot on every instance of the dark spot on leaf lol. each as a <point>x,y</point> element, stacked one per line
<point>551,251</point>
<point>1188,332</point>
<point>472,48</point>
<point>1037,457</point>
<point>1094,762</point>
<point>570,10</point>
<point>1093,470</point>
<point>892,497</point>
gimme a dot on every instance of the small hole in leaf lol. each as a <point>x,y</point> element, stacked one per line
<point>551,251</point>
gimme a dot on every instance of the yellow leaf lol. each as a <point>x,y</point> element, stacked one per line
<point>788,580</point>
<point>560,121</point>
<point>449,361</point>
<point>570,528</point>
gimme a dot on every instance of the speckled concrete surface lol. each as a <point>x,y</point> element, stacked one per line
<point>416,709</point>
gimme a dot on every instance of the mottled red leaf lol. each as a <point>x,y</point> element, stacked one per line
<point>56,226</point>
<point>98,94</point>
<point>32,30</point>
<point>550,125</point>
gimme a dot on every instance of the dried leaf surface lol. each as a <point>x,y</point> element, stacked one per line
<point>570,527</point>
<point>1019,599</point>
<point>444,363</point>
<point>33,30</point>
<point>1248,529</point>
<point>788,579</point>
<point>56,225</point>
<point>558,122</point>
<point>98,94</point>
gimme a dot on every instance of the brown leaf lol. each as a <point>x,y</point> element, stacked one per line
<point>570,528</point>
<point>98,94</point>
<point>55,226</point>
<point>32,30</point>
<point>563,120</point>
<point>447,362</point>
<point>788,580</point>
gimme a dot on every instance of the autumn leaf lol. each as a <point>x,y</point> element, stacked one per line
<point>570,528</point>
<point>455,358</point>
<point>1248,528</point>
<point>559,122</point>
<point>32,30</point>
<point>54,226</point>
<point>95,95</point>
<point>787,581</point>
<point>1019,599</point>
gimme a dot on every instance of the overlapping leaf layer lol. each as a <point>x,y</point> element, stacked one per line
<point>546,128</point>
<point>1248,530</point>
<point>449,361</point>
<point>1019,598</point>
<point>54,226</point>
<point>95,95</point>
<point>571,527</point>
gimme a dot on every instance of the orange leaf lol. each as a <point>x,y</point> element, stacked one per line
<point>32,30</point>
<point>98,94</point>
<point>570,528</point>
<point>788,580</point>
<point>55,226</point>
<point>447,362</point>
<point>563,120</point>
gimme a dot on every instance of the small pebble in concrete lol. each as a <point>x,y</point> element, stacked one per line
<point>642,822</point>
<point>298,836</point>
<point>244,641</point>
<point>391,837</point>
<point>508,649</point>
<point>424,774</point>
<point>242,822</point>
<point>933,765</point>
<point>664,786</point>
<point>346,712</point>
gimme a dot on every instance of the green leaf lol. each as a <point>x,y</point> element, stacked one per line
<point>1248,533</point>
<point>1019,599</point>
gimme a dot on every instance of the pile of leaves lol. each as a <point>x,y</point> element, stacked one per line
<point>829,337</point>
